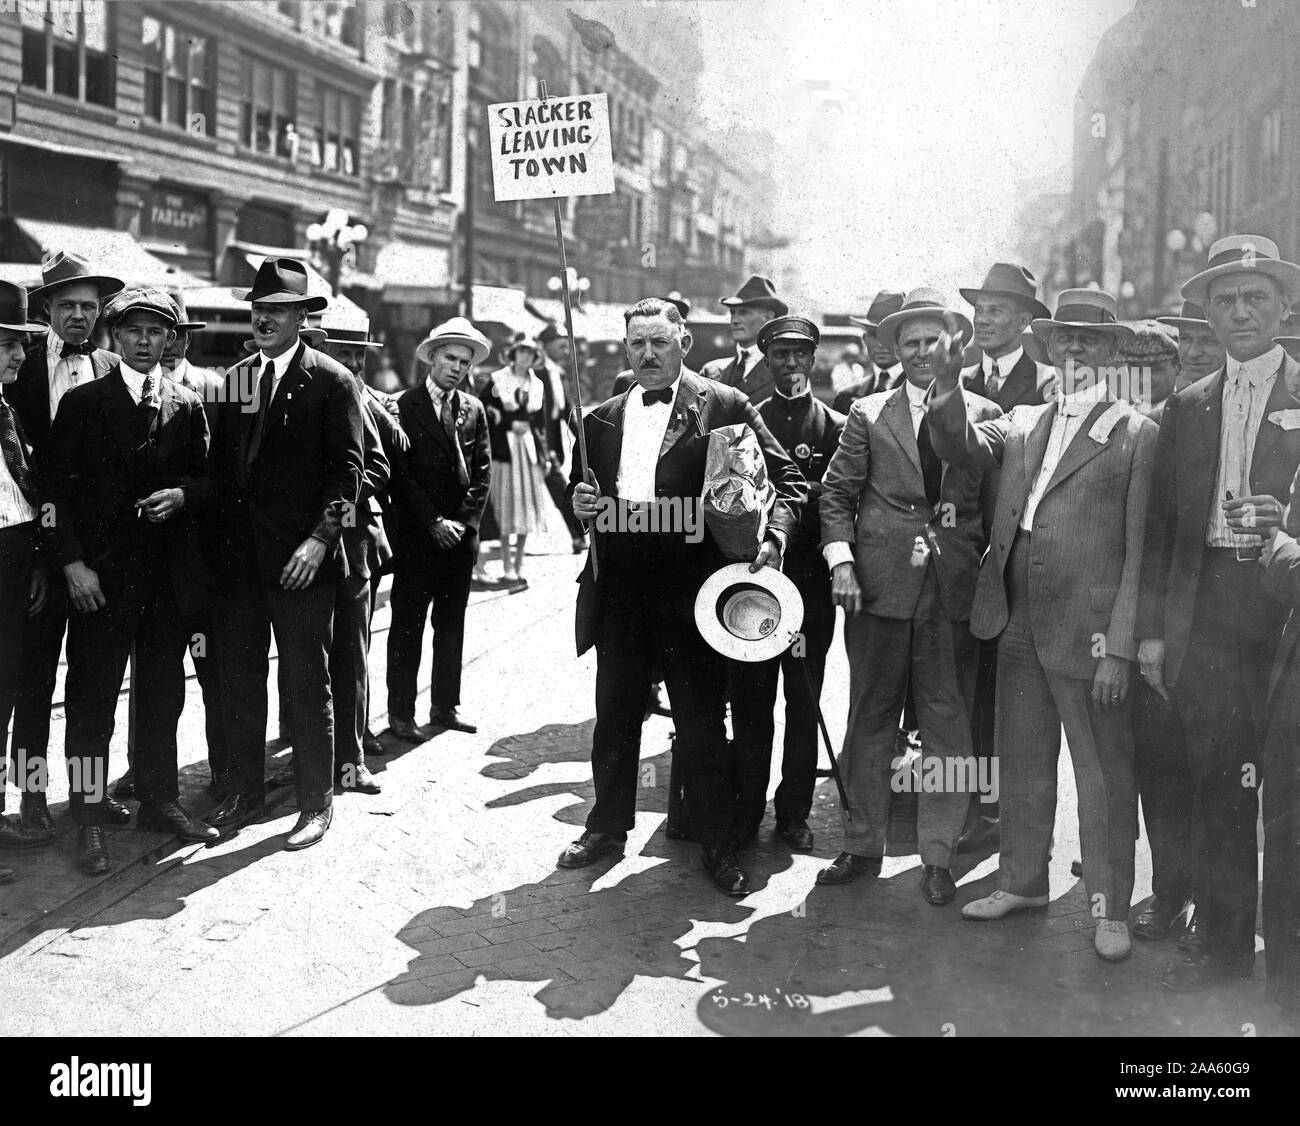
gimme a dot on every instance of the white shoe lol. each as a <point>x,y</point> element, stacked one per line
<point>1000,903</point>
<point>1111,940</point>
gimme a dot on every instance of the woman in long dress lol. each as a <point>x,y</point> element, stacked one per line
<point>514,400</point>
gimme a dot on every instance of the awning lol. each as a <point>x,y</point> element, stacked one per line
<point>116,253</point>
<point>414,273</point>
<point>501,305</point>
<point>340,306</point>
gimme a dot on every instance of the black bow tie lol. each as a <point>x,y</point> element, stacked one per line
<point>663,395</point>
<point>85,348</point>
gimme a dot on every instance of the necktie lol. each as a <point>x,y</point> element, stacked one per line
<point>741,363</point>
<point>663,395</point>
<point>931,466</point>
<point>449,425</point>
<point>12,450</point>
<point>994,382</point>
<point>85,348</point>
<point>264,389</point>
<point>147,405</point>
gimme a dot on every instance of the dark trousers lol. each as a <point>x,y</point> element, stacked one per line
<point>752,689</point>
<point>983,709</point>
<point>437,585</point>
<point>1282,850</point>
<point>303,624</point>
<point>17,544</point>
<point>349,676</point>
<point>557,481</point>
<point>142,616</point>
<point>1220,697</point>
<point>646,614</point>
<point>42,646</point>
<point>1164,781</point>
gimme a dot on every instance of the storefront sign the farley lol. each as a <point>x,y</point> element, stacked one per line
<point>172,215</point>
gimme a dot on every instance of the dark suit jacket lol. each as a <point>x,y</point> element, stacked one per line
<point>206,384</point>
<point>304,479</point>
<point>1088,528</point>
<point>874,499</point>
<point>384,505</point>
<point>96,466</point>
<point>1183,491</point>
<point>363,532</point>
<point>1024,386</point>
<point>701,406</point>
<point>429,488</point>
<point>759,384</point>
<point>29,394</point>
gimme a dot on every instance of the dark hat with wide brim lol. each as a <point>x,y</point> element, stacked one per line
<point>1084,308</point>
<point>922,302</point>
<point>749,616</point>
<point>61,268</point>
<point>683,306</point>
<point>281,281</point>
<point>1005,279</point>
<point>758,291</point>
<point>13,309</point>
<point>1192,315</point>
<point>886,301</point>
<point>184,324</point>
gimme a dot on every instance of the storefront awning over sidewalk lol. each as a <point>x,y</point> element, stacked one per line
<point>115,253</point>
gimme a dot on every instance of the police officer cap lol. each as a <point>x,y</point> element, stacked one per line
<point>788,328</point>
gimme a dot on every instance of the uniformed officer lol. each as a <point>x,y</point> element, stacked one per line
<point>810,433</point>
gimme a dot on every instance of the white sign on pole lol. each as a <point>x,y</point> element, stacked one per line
<point>550,149</point>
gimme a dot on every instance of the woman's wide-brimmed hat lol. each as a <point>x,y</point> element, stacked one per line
<point>749,616</point>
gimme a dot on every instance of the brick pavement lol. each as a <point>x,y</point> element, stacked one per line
<point>436,908</point>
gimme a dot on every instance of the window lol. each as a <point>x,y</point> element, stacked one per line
<point>269,109</point>
<point>1268,155</point>
<point>336,20</point>
<point>177,76</point>
<point>1221,167</point>
<point>415,129</point>
<point>336,145</point>
<point>66,51</point>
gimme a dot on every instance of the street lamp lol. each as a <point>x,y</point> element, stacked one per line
<point>577,286</point>
<point>333,240</point>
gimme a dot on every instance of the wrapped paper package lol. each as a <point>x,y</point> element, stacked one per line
<point>737,494</point>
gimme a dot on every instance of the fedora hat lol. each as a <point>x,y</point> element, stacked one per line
<point>184,324</point>
<point>281,281</point>
<point>921,302</point>
<point>1191,315</point>
<point>1005,279</point>
<point>683,306</point>
<point>788,328</point>
<point>748,616</point>
<point>455,331</point>
<point>354,331</point>
<point>59,267</point>
<point>887,301</point>
<point>1237,253</point>
<point>1084,308</point>
<point>152,298</point>
<point>13,309</point>
<point>757,291</point>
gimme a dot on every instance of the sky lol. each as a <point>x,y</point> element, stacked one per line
<point>946,107</point>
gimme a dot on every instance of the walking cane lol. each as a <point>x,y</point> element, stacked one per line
<point>821,723</point>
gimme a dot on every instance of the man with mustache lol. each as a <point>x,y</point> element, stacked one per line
<point>73,295</point>
<point>22,575</point>
<point>124,480</point>
<point>289,456</point>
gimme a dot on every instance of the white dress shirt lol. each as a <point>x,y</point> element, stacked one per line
<point>281,365</point>
<point>66,372</point>
<point>748,358</point>
<point>1071,410</point>
<point>644,426</point>
<point>14,508</point>
<point>436,394</point>
<point>134,381</point>
<point>1005,364</point>
<point>1247,386</point>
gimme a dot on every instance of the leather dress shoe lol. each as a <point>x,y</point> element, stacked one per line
<point>234,811</point>
<point>356,778</point>
<point>169,817</point>
<point>451,719</point>
<point>124,790</point>
<point>1159,917</point>
<point>1193,938</point>
<point>405,729</point>
<point>1201,971</point>
<point>14,834</point>
<point>115,813</point>
<point>92,850</point>
<point>727,874</point>
<point>1001,903</point>
<point>35,815</point>
<point>1111,940</point>
<point>310,828</point>
<point>590,847</point>
<point>983,834</point>
<point>796,834</point>
<point>370,745</point>
<point>937,885</point>
<point>847,867</point>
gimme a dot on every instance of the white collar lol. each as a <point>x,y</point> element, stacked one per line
<point>1005,363</point>
<point>281,362</point>
<point>178,372</point>
<point>1259,369</point>
<point>54,346</point>
<point>916,395</point>
<point>676,383</point>
<point>1081,402</point>
<point>806,393</point>
<point>135,379</point>
<point>436,393</point>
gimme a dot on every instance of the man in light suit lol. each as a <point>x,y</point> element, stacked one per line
<point>754,304</point>
<point>73,296</point>
<point>648,446</point>
<point>903,537</point>
<point>884,372</point>
<point>1227,453</point>
<point>1058,587</point>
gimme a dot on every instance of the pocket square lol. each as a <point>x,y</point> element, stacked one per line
<point>1287,419</point>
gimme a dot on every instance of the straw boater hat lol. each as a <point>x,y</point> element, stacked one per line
<point>1242,253</point>
<point>455,331</point>
<point>152,298</point>
<point>887,301</point>
<point>1007,280</point>
<point>1084,308</point>
<point>281,281</point>
<point>919,303</point>
<point>62,268</point>
<point>748,616</point>
<point>13,309</point>
<point>348,330</point>
<point>759,292</point>
<point>1191,315</point>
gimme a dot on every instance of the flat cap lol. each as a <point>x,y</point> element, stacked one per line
<point>152,298</point>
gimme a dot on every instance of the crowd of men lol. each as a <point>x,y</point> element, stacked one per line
<point>1033,521</point>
